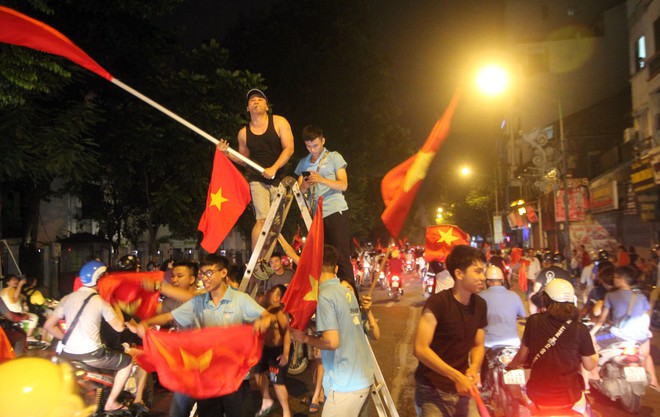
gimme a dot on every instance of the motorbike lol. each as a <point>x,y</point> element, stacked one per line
<point>504,391</point>
<point>622,373</point>
<point>429,284</point>
<point>395,290</point>
<point>299,359</point>
<point>382,280</point>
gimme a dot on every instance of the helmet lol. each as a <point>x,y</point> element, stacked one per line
<point>557,258</point>
<point>494,272</point>
<point>603,255</point>
<point>547,257</point>
<point>91,272</point>
<point>560,291</point>
<point>40,387</point>
<point>128,263</point>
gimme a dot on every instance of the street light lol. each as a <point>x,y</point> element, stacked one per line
<point>492,80</point>
<point>466,171</point>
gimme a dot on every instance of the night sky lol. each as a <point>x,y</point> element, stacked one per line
<point>433,47</point>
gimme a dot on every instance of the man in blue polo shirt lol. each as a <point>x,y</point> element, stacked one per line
<point>504,308</point>
<point>221,305</point>
<point>345,352</point>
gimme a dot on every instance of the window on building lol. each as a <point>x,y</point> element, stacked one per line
<point>640,52</point>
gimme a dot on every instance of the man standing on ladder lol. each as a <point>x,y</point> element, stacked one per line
<point>268,141</point>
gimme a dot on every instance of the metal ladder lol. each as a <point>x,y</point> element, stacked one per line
<point>288,190</point>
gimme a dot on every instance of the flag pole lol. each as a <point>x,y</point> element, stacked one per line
<point>382,266</point>
<point>184,122</point>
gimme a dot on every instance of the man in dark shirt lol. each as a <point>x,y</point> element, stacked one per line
<point>450,336</point>
<point>268,141</point>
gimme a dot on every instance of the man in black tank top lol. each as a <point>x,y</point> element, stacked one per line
<point>268,141</point>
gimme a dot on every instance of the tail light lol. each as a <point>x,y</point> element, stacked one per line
<point>395,278</point>
<point>631,350</point>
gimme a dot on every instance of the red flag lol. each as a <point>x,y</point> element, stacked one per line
<point>227,198</point>
<point>379,246</point>
<point>441,239</point>
<point>203,363</point>
<point>400,185</point>
<point>297,240</point>
<point>6,350</point>
<point>19,29</point>
<point>516,255</point>
<point>303,291</point>
<point>125,289</point>
<point>357,244</point>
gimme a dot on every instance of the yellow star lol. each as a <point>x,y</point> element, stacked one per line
<point>447,237</point>
<point>418,169</point>
<point>217,199</point>
<point>313,294</point>
<point>193,363</point>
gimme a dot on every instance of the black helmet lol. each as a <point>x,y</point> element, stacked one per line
<point>557,258</point>
<point>603,255</point>
<point>128,263</point>
<point>547,257</point>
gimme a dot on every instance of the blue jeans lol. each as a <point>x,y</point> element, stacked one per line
<point>181,405</point>
<point>431,402</point>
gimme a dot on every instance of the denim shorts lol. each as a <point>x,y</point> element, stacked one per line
<point>432,402</point>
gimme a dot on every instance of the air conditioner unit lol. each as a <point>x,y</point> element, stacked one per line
<point>629,134</point>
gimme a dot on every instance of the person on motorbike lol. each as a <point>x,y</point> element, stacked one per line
<point>558,344</point>
<point>630,316</point>
<point>504,307</point>
<point>552,268</point>
<point>12,297</point>
<point>84,343</point>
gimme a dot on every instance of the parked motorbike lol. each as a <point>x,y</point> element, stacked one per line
<point>622,373</point>
<point>504,391</point>
<point>395,290</point>
<point>299,359</point>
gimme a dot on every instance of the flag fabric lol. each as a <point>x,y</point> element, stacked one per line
<point>357,244</point>
<point>400,185</point>
<point>202,363</point>
<point>516,255</point>
<point>302,293</point>
<point>126,289</point>
<point>226,200</point>
<point>441,239</point>
<point>19,29</point>
<point>6,350</point>
<point>297,240</point>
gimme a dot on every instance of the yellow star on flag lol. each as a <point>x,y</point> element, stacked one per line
<point>418,169</point>
<point>217,199</point>
<point>447,237</point>
<point>194,363</point>
<point>313,294</point>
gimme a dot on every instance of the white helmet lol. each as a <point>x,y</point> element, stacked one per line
<point>560,291</point>
<point>494,272</point>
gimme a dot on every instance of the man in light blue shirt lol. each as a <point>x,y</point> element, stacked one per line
<point>504,308</point>
<point>344,348</point>
<point>323,173</point>
<point>221,305</point>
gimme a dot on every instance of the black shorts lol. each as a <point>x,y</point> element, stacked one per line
<point>102,359</point>
<point>269,363</point>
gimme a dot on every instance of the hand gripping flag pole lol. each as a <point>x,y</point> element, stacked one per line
<point>19,29</point>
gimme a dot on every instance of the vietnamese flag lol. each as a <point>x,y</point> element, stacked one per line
<point>516,255</point>
<point>227,198</point>
<point>19,29</point>
<point>400,185</point>
<point>202,363</point>
<point>440,240</point>
<point>6,350</point>
<point>125,289</point>
<point>303,291</point>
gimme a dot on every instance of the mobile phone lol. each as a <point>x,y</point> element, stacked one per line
<point>306,174</point>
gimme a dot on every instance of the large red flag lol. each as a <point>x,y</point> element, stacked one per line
<point>400,185</point>
<point>227,198</point>
<point>19,29</point>
<point>441,239</point>
<point>303,291</point>
<point>203,363</point>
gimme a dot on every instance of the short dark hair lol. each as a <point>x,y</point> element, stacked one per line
<point>192,266</point>
<point>606,275</point>
<point>276,254</point>
<point>329,258</point>
<point>628,273</point>
<point>215,260</point>
<point>462,257</point>
<point>311,132</point>
<point>234,273</point>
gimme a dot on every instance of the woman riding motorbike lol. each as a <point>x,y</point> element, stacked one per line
<point>558,344</point>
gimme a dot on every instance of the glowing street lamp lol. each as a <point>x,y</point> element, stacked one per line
<point>492,80</point>
<point>466,171</point>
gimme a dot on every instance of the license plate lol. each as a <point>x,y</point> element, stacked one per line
<point>635,374</point>
<point>514,377</point>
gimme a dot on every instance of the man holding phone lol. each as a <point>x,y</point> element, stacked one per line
<point>323,173</point>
